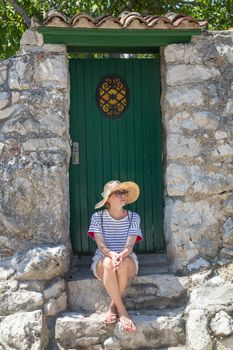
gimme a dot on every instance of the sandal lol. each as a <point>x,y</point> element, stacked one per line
<point>110,318</point>
<point>126,324</point>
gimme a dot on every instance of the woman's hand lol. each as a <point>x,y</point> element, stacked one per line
<point>116,260</point>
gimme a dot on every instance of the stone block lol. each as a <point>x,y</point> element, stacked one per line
<point>228,232</point>
<point>206,120</point>
<point>9,285</point>
<point>225,51</point>
<point>54,48</point>
<point>74,330</point>
<point>225,343</point>
<point>111,343</point>
<point>3,74</point>
<point>21,300</point>
<point>220,135</point>
<point>176,123</point>
<point>34,201</point>
<point>144,292</point>
<point>6,269</point>
<point>48,144</point>
<point>30,49</point>
<point>229,107</point>
<point>53,72</point>
<point>153,331</point>
<point>227,253</point>
<point>43,262</point>
<point>184,121</point>
<point>38,69</point>
<point>228,205</point>
<point>197,335</point>
<point>191,230</point>
<point>37,286</point>
<point>222,324</point>
<point>215,295</point>
<point>8,112</point>
<point>199,278</point>
<point>178,180</point>
<point>39,114</point>
<point>15,97</point>
<point>4,99</point>
<point>21,74</point>
<point>187,74</point>
<point>179,97</point>
<point>1,147</point>
<point>190,53</point>
<point>174,53</point>
<point>197,264</point>
<point>223,151</point>
<point>54,306</point>
<point>179,146</point>
<point>211,183</point>
<point>31,37</point>
<point>55,289</point>
<point>24,331</point>
<point>184,179</point>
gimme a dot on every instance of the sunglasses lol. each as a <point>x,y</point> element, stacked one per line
<point>120,194</point>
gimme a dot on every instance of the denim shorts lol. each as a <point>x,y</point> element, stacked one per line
<point>97,258</point>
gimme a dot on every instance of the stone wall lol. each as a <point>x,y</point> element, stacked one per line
<point>197,112</point>
<point>34,199</point>
<point>197,109</point>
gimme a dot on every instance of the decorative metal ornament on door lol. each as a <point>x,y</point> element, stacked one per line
<point>112,96</point>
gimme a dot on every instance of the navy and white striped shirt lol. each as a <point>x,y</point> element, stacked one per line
<point>115,232</point>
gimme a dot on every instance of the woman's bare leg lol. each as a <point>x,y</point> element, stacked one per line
<point>105,270</point>
<point>115,283</point>
<point>125,272</point>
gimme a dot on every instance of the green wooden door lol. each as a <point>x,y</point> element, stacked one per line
<point>127,148</point>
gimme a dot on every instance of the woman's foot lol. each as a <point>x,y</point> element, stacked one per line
<point>111,315</point>
<point>126,324</point>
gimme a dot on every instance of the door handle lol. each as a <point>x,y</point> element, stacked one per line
<point>75,153</point>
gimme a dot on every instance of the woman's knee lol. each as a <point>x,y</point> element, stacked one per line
<point>124,266</point>
<point>127,267</point>
<point>107,264</point>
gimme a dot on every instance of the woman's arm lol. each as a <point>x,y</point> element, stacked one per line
<point>106,251</point>
<point>128,246</point>
<point>102,246</point>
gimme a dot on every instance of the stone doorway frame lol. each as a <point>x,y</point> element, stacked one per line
<point>113,40</point>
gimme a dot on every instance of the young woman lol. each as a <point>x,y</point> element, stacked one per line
<point>116,230</point>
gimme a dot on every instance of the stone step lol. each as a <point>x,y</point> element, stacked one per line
<point>157,291</point>
<point>156,330</point>
<point>148,264</point>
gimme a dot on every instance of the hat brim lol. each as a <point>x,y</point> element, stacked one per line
<point>130,186</point>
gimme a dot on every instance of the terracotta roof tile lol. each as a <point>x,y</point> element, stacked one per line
<point>55,18</point>
<point>126,20</point>
<point>81,20</point>
<point>108,22</point>
<point>156,22</point>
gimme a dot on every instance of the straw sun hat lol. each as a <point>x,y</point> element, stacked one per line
<point>115,185</point>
